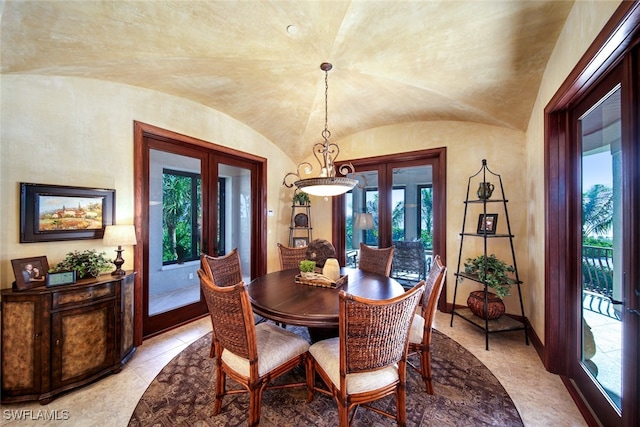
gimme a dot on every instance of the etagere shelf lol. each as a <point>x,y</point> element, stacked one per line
<point>300,230</point>
<point>487,232</point>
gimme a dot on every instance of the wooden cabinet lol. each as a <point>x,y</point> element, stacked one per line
<point>56,339</point>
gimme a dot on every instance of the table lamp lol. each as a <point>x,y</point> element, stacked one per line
<point>119,235</point>
<point>364,221</point>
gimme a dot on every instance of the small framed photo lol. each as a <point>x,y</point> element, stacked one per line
<point>30,272</point>
<point>300,242</point>
<point>487,223</point>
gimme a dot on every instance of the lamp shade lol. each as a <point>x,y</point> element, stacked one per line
<point>119,235</point>
<point>364,221</point>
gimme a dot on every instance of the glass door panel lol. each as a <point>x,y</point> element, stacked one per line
<point>361,214</point>
<point>234,214</point>
<point>175,219</point>
<point>412,222</point>
<point>602,234</point>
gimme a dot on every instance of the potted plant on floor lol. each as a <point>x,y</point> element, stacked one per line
<point>491,271</point>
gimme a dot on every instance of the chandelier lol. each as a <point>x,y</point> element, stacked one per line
<point>327,184</point>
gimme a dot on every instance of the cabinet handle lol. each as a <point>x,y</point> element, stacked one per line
<point>57,342</point>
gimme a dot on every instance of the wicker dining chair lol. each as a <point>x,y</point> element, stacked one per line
<point>224,270</point>
<point>291,257</point>
<point>368,360</point>
<point>252,355</point>
<point>375,260</point>
<point>420,334</point>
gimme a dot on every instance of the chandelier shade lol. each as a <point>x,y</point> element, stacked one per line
<point>327,184</point>
<point>325,187</point>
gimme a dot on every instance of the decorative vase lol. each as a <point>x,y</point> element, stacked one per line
<point>485,189</point>
<point>495,306</point>
<point>331,269</point>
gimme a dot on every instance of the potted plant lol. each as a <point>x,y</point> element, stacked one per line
<point>301,198</point>
<point>491,271</point>
<point>88,263</point>
<point>307,268</point>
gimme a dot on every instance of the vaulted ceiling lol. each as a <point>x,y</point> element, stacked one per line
<point>259,61</point>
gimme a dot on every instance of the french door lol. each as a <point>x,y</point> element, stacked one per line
<point>592,291</point>
<point>195,198</point>
<point>403,195</point>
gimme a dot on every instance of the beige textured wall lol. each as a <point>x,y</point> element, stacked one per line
<point>586,20</point>
<point>71,131</point>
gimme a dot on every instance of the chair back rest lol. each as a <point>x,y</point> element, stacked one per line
<point>231,316</point>
<point>375,260</point>
<point>291,257</point>
<point>408,257</point>
<point>433,287</point>
<point>375,333</point>
<point>224,270</point>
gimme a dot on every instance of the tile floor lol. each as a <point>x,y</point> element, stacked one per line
<point>540,397</point>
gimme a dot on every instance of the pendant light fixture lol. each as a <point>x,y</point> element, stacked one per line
<point>327,184</point>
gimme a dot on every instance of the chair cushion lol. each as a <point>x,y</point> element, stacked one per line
<point>327,354</point>
<point>276,346</point>
<point>417,329</point>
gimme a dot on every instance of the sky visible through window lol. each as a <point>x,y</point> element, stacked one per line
<point>596,169</point>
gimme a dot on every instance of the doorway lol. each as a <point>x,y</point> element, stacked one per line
<point>194,197</point>
<point>400,201</point>
<point>593,240</point>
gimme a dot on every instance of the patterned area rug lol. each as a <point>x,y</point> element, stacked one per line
<point>467,394</point>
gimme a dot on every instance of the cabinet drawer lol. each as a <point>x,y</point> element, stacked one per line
<point>84,295</point>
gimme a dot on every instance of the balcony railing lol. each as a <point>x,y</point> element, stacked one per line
<point>597,279</point>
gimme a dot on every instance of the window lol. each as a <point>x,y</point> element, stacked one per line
<point>181,213</point>
<point>425,223</point>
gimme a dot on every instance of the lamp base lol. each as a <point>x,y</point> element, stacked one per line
<point>118,263</point>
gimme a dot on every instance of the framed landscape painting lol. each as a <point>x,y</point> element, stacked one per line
<point>54,212</point>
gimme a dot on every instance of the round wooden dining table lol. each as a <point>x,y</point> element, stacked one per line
<point>278,297</point>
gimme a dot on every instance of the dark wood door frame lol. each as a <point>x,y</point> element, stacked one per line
<point>437,158</point>
<point>611,48</point>
<point>141,167</point>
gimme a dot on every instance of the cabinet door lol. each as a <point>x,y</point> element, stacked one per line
<point>22,345</point>
<point>83,342</point>
<point>126,316</point>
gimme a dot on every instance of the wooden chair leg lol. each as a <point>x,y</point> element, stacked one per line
<point>401,407</point>
<point>221,379</point>
<point>255,401</point>
<point>343,415</point>
<point>311,377</point>
<point>425,367</point>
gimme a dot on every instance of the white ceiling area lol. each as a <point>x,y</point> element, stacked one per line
<point>259,61</point>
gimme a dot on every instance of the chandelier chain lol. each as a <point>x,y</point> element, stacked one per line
<point>326,134</point>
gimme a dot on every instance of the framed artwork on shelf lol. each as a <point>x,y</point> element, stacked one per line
<point>54,212</point>
<point>300,242</point>
<point>30,272</point>
<point>487,223</point>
